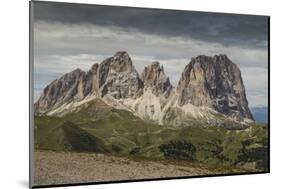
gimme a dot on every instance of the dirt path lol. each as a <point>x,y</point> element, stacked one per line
<point>66,168</point>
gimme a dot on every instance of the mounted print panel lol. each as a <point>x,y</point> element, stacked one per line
<point>122,94</point>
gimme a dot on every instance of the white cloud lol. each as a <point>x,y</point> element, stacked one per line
<point>256,85</point>
<point>58,38</point>
<point>63,64</point>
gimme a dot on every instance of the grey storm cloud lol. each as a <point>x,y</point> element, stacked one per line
<point>228,29</point>
<point>68,36</point>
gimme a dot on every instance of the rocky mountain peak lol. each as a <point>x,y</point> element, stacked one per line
<point>64,89</point>
<point>221,58</point>
<point>115,76</point>
<point>119,78</point>
<point>121,54</point>
<point>95,67</point>
<point>153,77</point>
<point>121,62</point>
<point>214,82</point>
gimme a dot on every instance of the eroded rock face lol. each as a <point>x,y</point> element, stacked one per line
<point>119,78</point>
<point>214,82</point>
<point>65,89</point>
<point>115,76</point>
<point>91,81</point>
<point>154,78</point>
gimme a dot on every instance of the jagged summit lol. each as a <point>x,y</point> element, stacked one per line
<point>121,54</point>
<point>121,62</point>
<point>214,82</point>
<point>207,84</point>
<point>119,78</point>
<point>154,77</point>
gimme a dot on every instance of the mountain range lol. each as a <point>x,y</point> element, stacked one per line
<point>210,89</point>
<point>112,109</point>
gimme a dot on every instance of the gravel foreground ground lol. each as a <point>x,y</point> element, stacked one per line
<point>66,168</point>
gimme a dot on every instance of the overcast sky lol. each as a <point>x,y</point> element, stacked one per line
<point>68,36</point>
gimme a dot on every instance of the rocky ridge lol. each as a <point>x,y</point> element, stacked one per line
<point>154,78</point>
<point>214,82</point>
<point>209,86</point>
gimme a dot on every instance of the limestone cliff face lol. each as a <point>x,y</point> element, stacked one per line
<point>119,78</point>
<point>207,83</point>
<point>115,76</point>
<point>154,78</point>
<point>65,89</point>
<point>214,82</point>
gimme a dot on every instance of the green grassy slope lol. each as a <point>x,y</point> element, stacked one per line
<point>60,135</point>
<point>120,132</point>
